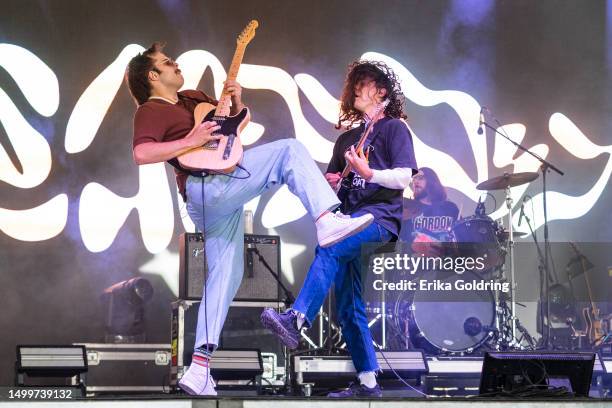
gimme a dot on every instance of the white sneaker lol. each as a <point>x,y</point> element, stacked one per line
<point>198,381</point>
<point>334,227</point>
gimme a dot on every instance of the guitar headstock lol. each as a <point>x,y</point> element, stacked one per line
<point>248,33</point>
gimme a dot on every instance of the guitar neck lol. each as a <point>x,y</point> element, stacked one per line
<point>223,108</point>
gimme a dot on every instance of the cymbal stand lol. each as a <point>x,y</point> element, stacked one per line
<point>544,168</point>
<point>509,204</point>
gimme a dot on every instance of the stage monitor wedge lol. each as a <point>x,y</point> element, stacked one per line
<point>533,373</point>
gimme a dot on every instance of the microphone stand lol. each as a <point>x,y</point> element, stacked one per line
<point>545,166</point>
<point>289,299</point>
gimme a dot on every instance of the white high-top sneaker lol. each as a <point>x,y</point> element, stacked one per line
<point>198,381</point>
<point>334,227</point>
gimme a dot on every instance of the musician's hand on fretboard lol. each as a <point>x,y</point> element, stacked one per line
<point>358,163</point>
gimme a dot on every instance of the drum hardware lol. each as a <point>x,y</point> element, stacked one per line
<point>329,341</point>
<point>504,182</point>
<point>545,166</point>
<point>503,234</point>
<point>512,316</point>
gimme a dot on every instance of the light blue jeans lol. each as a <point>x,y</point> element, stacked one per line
<point>220,216</point>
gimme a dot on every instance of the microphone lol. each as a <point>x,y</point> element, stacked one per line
<point>522,214</point>
<point>481,121</point>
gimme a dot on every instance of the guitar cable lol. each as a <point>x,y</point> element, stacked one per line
<point>209,347</point>
<point>205,268</point>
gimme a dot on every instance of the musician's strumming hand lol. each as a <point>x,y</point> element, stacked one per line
<point>234,89</point>
<point>358,163</point>
<point>203,134</point>
<point>332,179</point>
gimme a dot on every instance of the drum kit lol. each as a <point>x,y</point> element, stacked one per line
<point>447,322</point>
<point>487,317</point>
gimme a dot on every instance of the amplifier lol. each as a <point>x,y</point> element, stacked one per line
<point>257,283</point>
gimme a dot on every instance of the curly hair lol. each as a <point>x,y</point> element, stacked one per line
<point>384,78</point>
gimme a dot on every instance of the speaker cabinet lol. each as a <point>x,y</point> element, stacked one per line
<point>258,284</point>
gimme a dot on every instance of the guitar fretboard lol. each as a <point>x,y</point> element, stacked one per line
<point>223,108</point>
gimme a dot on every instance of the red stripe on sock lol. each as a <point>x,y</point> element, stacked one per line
<point>200,359</point>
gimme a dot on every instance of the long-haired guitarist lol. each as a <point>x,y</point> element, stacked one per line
<point>165,128</point>
<point>382,166</point>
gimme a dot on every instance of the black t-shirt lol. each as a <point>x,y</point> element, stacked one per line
<point>390,147</point>
<point>435,220</point>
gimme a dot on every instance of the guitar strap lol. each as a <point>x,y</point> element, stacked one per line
<point>175,163</point>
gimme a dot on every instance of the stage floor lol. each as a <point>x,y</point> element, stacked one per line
<point>158,401</point>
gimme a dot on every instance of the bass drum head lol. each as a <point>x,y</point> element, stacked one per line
<point>451,320</point>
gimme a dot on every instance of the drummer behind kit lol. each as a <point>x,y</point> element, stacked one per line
<point>453,321</point>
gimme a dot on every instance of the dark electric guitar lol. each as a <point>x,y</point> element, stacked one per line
<point>360,144</point>
<point>224,154</point>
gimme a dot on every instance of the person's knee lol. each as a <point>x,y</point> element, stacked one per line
<point>293,145</point>
<point>327,252</point>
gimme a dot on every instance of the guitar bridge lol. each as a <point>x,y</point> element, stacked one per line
<point>212,145</point>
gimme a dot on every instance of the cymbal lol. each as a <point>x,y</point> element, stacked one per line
<point>507,180</point>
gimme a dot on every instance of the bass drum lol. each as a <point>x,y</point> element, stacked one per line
<point>450,321</point>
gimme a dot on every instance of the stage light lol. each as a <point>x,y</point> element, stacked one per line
<point>51,366</point>
<point>124,303</point>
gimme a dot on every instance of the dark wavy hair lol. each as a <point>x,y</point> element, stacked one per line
<point>384,78</point>
<point>435,190</point>
<point>137,73</point>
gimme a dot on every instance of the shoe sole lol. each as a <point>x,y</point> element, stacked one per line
<point>340,236</point>
<point>191,391</point>
<point>278,329</point>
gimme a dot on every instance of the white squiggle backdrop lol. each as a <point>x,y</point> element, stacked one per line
<point>102,212</point>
